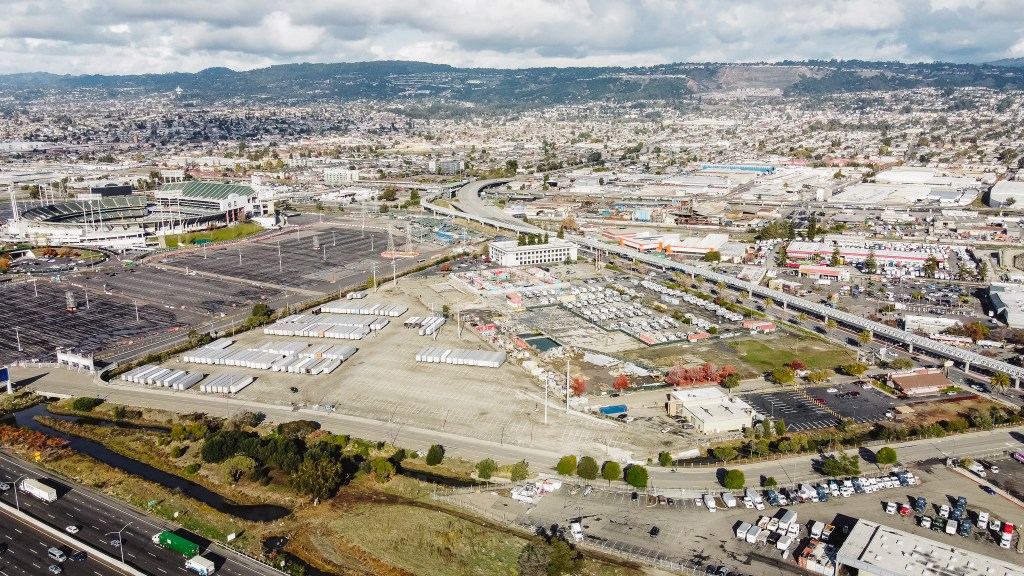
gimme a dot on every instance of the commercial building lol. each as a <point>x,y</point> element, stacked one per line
<point>920,382</point>
<point>1007,193</point>
<point>510,253</point>
<point>668,243</point>
<point>1008,303</point>
<point>883,551</point>
<point>340,176</point>
<point>710,410</point>
<point>928,325</point>
<point>824,273</point>
<point>854,250</point>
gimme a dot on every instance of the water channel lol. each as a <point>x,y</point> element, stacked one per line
<point>255,513</point>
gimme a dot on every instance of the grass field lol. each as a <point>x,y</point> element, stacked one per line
<point>766,354</point>
<point>217,235</point>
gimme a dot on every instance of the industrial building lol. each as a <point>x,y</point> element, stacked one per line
<point>928,325</point>
<point>1008,303</point>
<point>510,253</point>
<point>667,243</point>
<point>710,410</point>
<point>1007,193</point>
<point>883,551</point>
<point>340,176</point>
<point>854,250</point>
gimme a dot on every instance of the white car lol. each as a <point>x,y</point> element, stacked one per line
<point>944,511</point>
<point>926,522</point>
<point>832,390</point>
<point>994,469</point>
<point>890,508</point>
<point>748,503</point>
<point>995,525</point>
<point>71,529</point>
<point>4,486</point>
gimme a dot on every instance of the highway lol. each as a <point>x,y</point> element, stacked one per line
<point>26,551</point>
<point>97,515</point>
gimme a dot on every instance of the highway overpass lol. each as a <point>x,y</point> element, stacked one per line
<point>472,208</point>
<point>911,342</point>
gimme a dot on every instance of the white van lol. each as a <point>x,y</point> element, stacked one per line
<point>56,554</point>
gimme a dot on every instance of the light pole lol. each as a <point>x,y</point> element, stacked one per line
<point>17,336</point>
<point>17,504</point>
<point>120,540</point>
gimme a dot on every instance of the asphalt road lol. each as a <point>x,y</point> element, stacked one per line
<point>96,517</point>
<point>26,551</point>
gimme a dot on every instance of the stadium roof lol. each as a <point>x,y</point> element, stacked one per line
<point>207,190</point>
<point>105,209</point>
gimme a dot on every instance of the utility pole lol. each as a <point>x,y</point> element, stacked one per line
<point>86,298</point>
<point>136,310</point>
<point>280,264</point>
<point>566,384</point>
<point>17,335</point>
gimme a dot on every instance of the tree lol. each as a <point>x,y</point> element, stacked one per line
<point>621,382</point>
<point>780,427</point>
<point>886,456</point>
<point>783,375</point>
<point>587,468</point>
<point>870,263</point>
<point>611,471</point>
<point>812,228</point>
<point>382,469</point>
<point>797,365</point>
<point>636,476</point>
<point>731,381</point>
<point>236,466</point>
<point>1000,381</point>
<point>901,364</point>
<point>931,265</point>
<point>435,455</point>
<point>726,453</point>
<point>734,479</point>
<point>770,483</point>
<point>818,376</point>
<point>520,471</point>
<point>486,468</point>
<point>713,256</point>
<point>855,369</point>
<point>522,239</point>
<point>566,466</point>
<point>767,302</point>
<point>836,258</point>
<point>561,233</point>
<point>831,324</point>
<point>864,338</point>
<point>665,459</point>
<point>578,386</point>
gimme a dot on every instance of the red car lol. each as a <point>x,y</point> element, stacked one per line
<point>819,400</point>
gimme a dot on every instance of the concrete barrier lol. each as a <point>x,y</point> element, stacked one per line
<point>60,535</point>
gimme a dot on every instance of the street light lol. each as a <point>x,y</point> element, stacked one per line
<point>120,540</point>
<point>16,503</point>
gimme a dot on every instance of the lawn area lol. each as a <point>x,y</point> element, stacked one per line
<point>766,354</point>
<point>217,235</point>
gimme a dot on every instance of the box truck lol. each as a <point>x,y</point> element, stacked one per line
<point>203,566</point>
<point>172,541</point>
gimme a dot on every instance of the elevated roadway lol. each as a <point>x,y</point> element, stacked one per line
<point>911,342</point>
<point>472,208</point>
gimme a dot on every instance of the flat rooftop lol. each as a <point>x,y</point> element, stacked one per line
<point>878,549</point>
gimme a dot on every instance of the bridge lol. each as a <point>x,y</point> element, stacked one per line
<point>472,208</point>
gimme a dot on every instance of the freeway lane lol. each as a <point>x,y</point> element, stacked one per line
<point>27,548</point>
<point>97,515</point>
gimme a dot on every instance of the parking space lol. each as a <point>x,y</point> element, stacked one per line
<point>798,412</point>
<point>42,323</point>
<point>815,410</point>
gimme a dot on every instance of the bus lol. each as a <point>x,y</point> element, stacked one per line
<point>1019,457</point>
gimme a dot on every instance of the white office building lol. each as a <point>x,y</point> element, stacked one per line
<point>510,253</point>
<point>340,176</point>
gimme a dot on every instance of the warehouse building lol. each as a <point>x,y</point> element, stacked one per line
<point>710,410</point>
<point>510,253</point>
<point>883,551</point>
<point>1008,303</point>
<point>1007,193</point>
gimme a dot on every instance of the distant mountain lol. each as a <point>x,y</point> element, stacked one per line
<point>502,89</point>
<point>1009,62</point>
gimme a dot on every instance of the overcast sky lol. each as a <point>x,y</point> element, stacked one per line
<point>143,36</point>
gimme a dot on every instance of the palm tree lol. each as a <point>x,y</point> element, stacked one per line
<point>831,324</point>
<point>864,337</point>
<point>767,303</point>
<point>1000,382</point>
<point>801,317</point>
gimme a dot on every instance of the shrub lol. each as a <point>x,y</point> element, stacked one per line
<point>176,451</point>
<point>886,455</point>
<point>435,455</point>
<point>771,483</point>
<point>191,469</point>
<point>665,459</point>
<point>734,479</point>
<point>85,404</point>
<point>382,470</point>
<point>486,468</point>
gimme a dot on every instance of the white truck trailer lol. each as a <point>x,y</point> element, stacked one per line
<point>203,566</point>
<point>39,490</point>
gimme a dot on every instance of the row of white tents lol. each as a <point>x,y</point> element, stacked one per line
<point>165,377</point>
<point>326,326</point>
<point>226,384</point>
<point>342,307</point>
<point>461,357</point>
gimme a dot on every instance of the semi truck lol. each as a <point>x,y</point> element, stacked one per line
<point>39,490</point>
<point>172,541</point>
<point>204,566</point>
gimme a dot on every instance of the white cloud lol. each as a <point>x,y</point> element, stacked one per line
<point>128,36</point>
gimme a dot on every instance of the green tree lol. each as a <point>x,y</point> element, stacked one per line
<point>855,369</point>
<point>831,324</point>
<point>588,468</point>
<point>836,258</point>
<point>713,256</point>
<point>1000,381</point>
<point>770,483</point>
<point>870,263</point>
<point>520,471</point>
<point>318,478</point>
<point>611,471</point>
<point>636,476</point>
<point>812,228</point>
<point>818,376</point>
<point>486,468</point>
<point>566,466</point>
<point>780,427</point>
<point>886,456</point>
<point>726,453</point>
<point>783,375</point>
<point>382,469</point>
<point>237,466</point>
<point>665,459</point>
<point>901,364</point>
<point>435,455</point>
<point>864,338</point>
<point>85,404</point>
<point>734,479</point>
<point>731,381</point>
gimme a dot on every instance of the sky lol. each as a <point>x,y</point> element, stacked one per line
<point>152,36</point>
